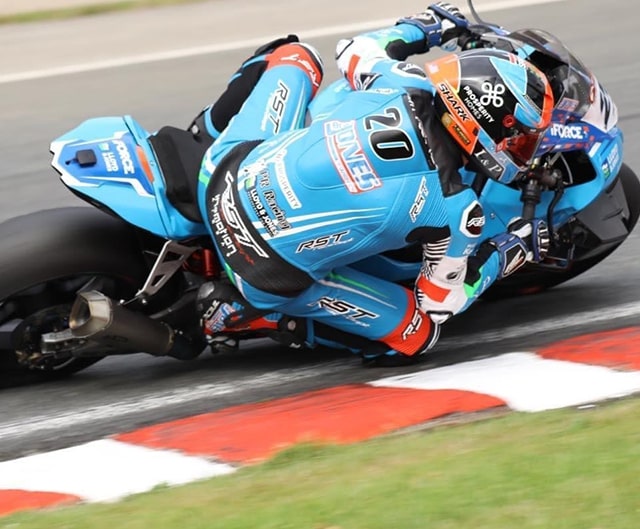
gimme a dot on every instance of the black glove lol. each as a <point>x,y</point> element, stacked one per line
<point>525,242</point>
<point>442,24</point>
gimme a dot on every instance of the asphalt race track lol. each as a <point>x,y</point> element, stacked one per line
<point>38,102</point>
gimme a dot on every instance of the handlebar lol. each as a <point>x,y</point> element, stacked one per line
<point>530,198</point>
<point>537,180</point>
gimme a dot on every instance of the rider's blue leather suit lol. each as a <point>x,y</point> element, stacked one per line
<point>291,207</point>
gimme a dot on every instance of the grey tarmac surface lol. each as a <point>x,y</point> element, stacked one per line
<point>123,393</point>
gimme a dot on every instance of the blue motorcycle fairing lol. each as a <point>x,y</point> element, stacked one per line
<point>574,136</point>
<point>501,204</point>
<point>122,173</point>
<point>606,154</point>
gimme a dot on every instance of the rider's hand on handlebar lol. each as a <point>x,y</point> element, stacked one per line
<point>527,241</point>
<point>535,234</point>
<point>442,24</point>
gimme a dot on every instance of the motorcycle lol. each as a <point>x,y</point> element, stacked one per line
<point>122,277</point>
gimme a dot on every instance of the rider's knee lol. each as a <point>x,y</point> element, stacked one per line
<point>408,348</point>
<point>415,335</point>
<point>302,56</point>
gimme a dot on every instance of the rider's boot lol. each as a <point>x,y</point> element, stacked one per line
<point>372,352</point>
<point>225,317</point>
<point>380,354</point>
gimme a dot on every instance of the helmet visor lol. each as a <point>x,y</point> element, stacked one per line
<point>523,144</point>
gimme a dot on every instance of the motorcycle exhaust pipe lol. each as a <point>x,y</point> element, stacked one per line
<point>96,317</point>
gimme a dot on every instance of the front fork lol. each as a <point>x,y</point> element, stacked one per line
<point>542,176</point>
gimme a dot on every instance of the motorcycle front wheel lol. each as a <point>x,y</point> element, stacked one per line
<point>46,258</point>
<point>533,278</point>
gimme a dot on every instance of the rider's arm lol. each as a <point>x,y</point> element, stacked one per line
<point>367,57</point>
<point>447,282</point>
<point>450,280</point>
<point>459,262</point>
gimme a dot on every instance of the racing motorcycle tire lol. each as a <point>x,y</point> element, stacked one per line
<point>45,259</point>
<point>532,278</point>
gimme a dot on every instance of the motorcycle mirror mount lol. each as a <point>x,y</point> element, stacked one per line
<point>474,13</point>
<point>481,28</point>
<point>477,17</point>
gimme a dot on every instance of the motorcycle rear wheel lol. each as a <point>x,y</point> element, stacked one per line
<point>45,259</point>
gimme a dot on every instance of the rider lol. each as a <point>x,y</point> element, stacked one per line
<point>292,207</point>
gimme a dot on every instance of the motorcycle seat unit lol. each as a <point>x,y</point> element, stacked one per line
<point>179,154</point>
<point>111,162</point>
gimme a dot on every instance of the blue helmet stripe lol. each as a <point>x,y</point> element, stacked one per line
<point>514,76</point>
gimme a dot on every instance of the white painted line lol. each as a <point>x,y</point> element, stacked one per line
<point>345,29</point>
<point>577,319</point>
<point>105,470</point>
<point>525,381</point>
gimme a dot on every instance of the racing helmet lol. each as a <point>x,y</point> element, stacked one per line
<point>495,105</point>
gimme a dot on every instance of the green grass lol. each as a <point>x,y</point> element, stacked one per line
<point>96,9</point>
<point>568,469</point>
